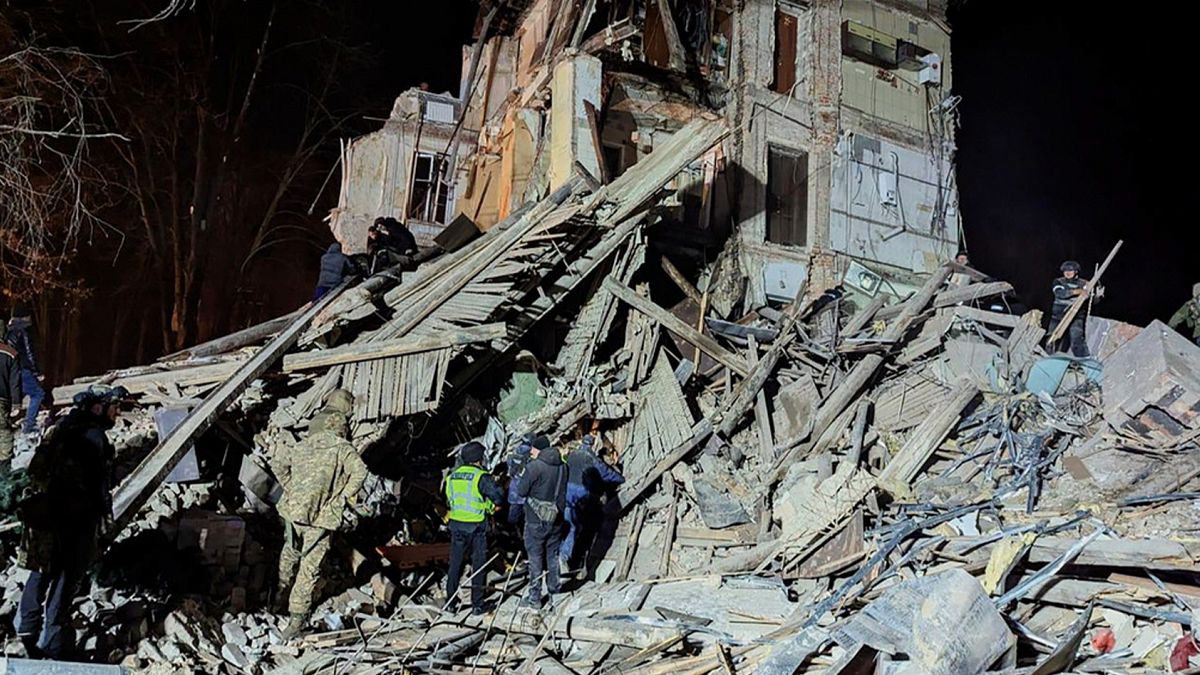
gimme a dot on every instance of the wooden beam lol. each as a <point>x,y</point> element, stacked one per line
<point>971,292</point>
<point>152,382</point>
<point>225,343</point>
<point>680,280</point>
<point>145,478</point>
<point>368,351</point>
<point>672,323</point>
<point>926,438</point>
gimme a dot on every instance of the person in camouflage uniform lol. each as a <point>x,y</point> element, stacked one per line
<point>10,394</point>
<point>320,476</point>
<point>1189,315</point>
<point>64,510</point>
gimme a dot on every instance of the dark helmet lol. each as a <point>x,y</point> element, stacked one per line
<point>1069,265</point>
<point>100,393</point>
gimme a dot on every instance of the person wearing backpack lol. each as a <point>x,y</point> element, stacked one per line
<point>544,489</point>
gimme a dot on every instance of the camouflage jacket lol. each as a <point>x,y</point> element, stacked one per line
<point>319,475</point>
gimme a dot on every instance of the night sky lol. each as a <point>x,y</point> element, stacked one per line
<point>1070,137</point>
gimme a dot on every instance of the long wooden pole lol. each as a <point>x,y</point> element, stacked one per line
<point>135,491</point>
<point>1082,299</point>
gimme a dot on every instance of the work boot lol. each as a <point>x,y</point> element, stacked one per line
<point>295,627</point>
<point>32,650</point>
<point>530,602</point>
<point>486,608</point>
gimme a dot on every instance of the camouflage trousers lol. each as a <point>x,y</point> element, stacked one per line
<point>6,432</point>
<point>304,549</point>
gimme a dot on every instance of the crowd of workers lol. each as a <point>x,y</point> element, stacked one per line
<point>552,499</point>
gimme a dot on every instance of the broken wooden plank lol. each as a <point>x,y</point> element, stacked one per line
<point>680,280</point>
<point>145,478</point>
<point>968,313</point>
<point>1156,554</point>
<point>153,382</point>
<point>926,438</point>
<point>237,340</point>
<point>367,351</point>
<point>672,323</point>
<point>971,292</point>
<point>864,316</point>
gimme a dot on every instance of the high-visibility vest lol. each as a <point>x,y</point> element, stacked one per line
<point>467,504</point>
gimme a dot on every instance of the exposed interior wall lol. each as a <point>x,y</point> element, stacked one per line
<point>576,86</point>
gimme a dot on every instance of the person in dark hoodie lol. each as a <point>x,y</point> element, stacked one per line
<point>517,462</point>
<point>64,510</point>
<point>335,266</point>
<point>544,490</point>
<point>588,478</point>
<point>20,337</point>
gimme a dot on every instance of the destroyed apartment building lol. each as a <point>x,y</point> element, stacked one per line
<point>718,237</point>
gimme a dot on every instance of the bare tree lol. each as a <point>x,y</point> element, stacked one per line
<point>51,112</point>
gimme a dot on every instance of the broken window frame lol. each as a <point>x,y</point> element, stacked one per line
<point>787,51</point>
<point>789,229</point>
<point>429,194</point>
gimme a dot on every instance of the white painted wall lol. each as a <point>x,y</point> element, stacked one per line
<point>902,235</point>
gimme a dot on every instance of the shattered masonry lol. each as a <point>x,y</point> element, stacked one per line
<point>659,200</point>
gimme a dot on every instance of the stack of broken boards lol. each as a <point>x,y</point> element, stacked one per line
<point>861,485</point>
<point>849,488</point>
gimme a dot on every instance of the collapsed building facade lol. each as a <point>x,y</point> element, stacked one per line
<point>841,141</point>
<point>651,207</point>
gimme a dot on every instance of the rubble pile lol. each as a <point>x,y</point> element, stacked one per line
<point>892,477</point>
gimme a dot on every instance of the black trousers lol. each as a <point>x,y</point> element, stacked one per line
<point>467,539</point>
<point>1075,339</point>
<point>542,541</point>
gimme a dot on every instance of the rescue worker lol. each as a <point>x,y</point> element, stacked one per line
<point>544,490</point>
<point>517,463</point>
<point>587,478</point>
<point>20,338</point>
<point>64,511</point>
<point>472,495</point>
<point>10,393</point>
<point>335,267</point>
<point>1066,288</point>
<point>1189,314</point>
<point>389,243</point>
<point>958,279</point>
<point>321,477</point>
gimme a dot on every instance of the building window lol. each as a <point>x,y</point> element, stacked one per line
<point>429,192</point>
<point>787,36</point>
<point>787,196</point>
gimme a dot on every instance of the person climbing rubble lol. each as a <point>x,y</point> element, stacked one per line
<point>472,495</point>
<point>588,477</point>
<point>64,510</point>
<point>321,477</point>
<point>389,243</point>
<point>10,393</point>
<point>1066,289</point>
<point>1189,315</point>
<point>335,267</point>
<point>544,490</point>
<point>20,337</point>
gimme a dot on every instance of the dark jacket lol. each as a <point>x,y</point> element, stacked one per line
<point>400,239</point>
<point>545,479</point>
<point>68,499</point>
<point>590,471</point>
<point>10,376</point>
<point>20,338</point>
<point>335,267</point>
<point>1063,297</point>
<point>517,463</point>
